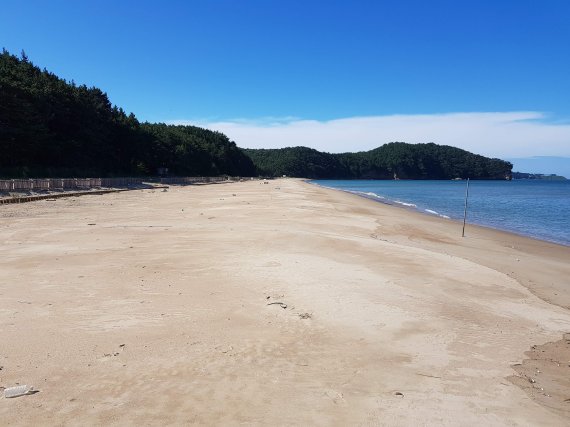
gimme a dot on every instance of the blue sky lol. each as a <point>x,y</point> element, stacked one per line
<point>271,64</point>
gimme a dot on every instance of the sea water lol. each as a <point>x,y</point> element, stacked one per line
<point>538,209</point>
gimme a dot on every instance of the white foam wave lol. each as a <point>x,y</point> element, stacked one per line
<point>411,205</point>
<point>374,195</point>
<point>366,194</point>
<point>436,213</point>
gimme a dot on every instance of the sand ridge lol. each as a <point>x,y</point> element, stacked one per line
<point>158,312</point>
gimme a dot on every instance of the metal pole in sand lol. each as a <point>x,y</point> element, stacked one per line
<point>465,210</point>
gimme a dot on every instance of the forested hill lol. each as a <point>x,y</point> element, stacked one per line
<point>393,160</point>
<point>51,127</point>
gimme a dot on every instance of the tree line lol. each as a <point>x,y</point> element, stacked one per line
<point>50,127</point>
<point>396,160</point>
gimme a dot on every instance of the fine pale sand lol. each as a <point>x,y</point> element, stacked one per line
<point>153,308</point>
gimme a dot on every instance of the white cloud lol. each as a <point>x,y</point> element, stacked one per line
<point>507,134</point>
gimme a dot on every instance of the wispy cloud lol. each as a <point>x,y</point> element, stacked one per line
<point>504,134</point>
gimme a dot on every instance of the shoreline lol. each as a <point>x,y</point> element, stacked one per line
<point>557,293</point>
<point>414,208</point>
<point>285,303</point>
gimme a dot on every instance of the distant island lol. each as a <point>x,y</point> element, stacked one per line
<point>538,176</point>
<point>53,128</point>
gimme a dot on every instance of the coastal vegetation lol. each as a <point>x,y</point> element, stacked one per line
<point>51,127</point>
<point>396,160</point>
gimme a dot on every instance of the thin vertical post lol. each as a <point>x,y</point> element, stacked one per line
<point>465,210</point>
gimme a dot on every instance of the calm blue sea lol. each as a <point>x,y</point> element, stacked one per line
<point>539,209</point>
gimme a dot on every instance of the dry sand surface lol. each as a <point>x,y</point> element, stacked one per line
<point>152,308</point>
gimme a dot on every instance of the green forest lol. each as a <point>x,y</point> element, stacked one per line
<point>50,127</point>
<point>396,160</point>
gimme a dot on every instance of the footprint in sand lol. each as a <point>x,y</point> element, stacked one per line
<point>272,264</point>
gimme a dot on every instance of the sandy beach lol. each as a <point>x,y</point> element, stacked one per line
<point>276,304</point>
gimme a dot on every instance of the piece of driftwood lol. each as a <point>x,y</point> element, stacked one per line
<point>281,304</point>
